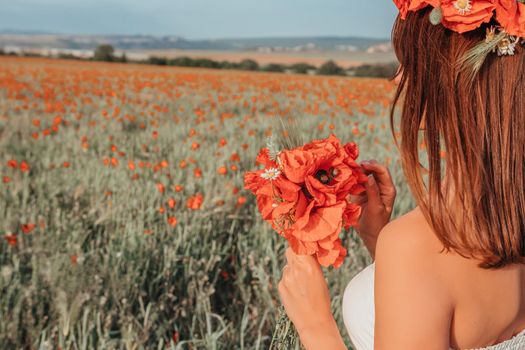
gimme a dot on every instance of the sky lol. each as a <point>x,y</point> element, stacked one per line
<point>202,19</point>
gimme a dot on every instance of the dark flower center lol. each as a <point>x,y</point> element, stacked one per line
<point>324,176</point>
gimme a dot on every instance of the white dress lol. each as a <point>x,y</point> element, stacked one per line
<point>358,314</point>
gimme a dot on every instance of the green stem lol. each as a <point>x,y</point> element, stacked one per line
<point>285,336</point>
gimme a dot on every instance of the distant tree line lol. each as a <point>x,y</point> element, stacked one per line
<point>246,64</point>
<point>6,53</point>
<point>330,67</point>
<point>106,53</point>
<point>387,70</point>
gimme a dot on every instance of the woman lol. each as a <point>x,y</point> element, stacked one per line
<point>450,273</point>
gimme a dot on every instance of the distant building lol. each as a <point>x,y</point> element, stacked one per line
<point>347,48</point>
<point>380,48</point>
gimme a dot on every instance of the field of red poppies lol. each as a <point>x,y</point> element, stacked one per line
<point>124,219</point>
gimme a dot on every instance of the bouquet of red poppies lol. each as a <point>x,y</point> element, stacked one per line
<point>304,194</point>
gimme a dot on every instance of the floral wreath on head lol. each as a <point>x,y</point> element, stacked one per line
<point>467,15</point>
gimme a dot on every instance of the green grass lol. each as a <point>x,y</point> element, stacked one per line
<point>212,278</point>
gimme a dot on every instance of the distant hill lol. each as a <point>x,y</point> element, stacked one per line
<point>36,40</point>
<point>23,32</point>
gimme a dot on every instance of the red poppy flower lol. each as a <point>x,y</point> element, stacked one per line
<point>303,195</point>
<point>511,15</point>
<point>405,6</point>
<point>469,17</point>
<point>197,172</point>
<point>195,202</point>
<point>27,228</point>
<point>24,166</point>
<point>11,239</point>
<point>172,221</point>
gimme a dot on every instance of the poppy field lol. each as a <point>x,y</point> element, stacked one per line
<point>124,221</point>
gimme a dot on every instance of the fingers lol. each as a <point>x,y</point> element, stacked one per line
<point>287,279</point>
<point>372,193</point>
<point>290,262</point>
<point>290,256</point>
<point>380,172</point>
<point>285,272</point>
<point>300,264</point>
<point>384,182</point>
<point>359,199</point>
<point>282,288</point>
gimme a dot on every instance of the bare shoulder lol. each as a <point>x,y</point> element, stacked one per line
<point>410,234</point>
<point>410,295</point>
<point>408,248</point>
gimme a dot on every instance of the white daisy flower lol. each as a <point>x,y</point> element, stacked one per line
<point>463,6</point>
<point>507,46</point>
<point>271,174</point>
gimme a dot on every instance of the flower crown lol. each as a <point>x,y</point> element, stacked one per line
<point>466,15</point>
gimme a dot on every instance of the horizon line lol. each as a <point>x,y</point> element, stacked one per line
<point>11,31</point>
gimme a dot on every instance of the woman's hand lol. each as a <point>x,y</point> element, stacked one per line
<point>377,203</point>
<point>306,298</point>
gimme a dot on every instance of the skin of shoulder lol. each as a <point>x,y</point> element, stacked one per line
<point>413,305</point>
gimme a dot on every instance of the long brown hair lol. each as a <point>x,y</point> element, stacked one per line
<point>480,122</point>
